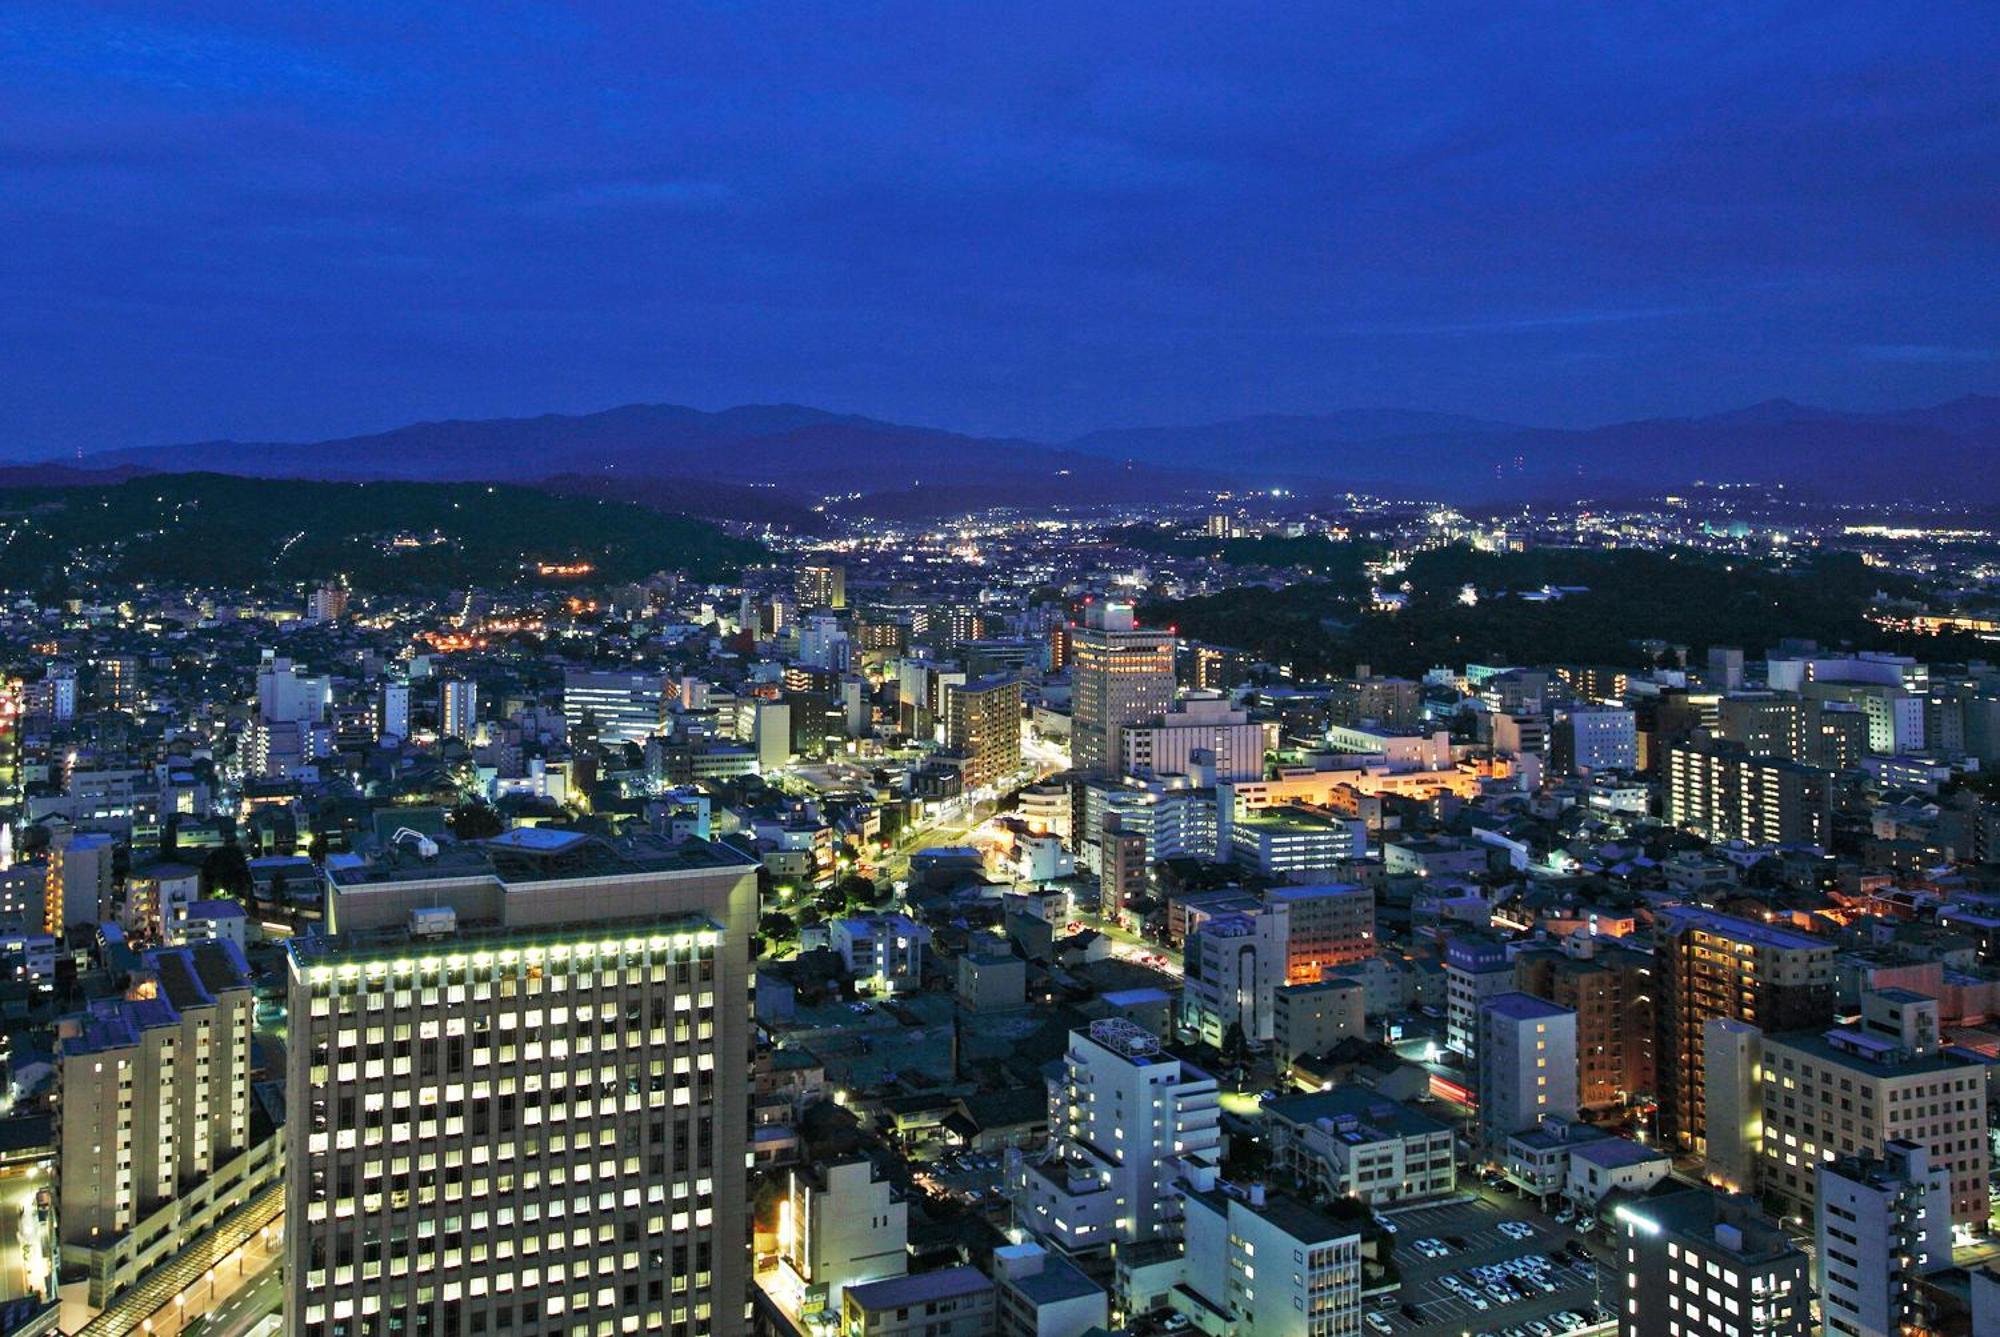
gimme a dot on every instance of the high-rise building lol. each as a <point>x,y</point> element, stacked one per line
<point>153,1101</point>
<point>517,1083</point>
<point>458,708</point>
<point>1715,965</point>
<point>839,1224</point>
<point>1119,676</point>
<point>78,881</point>
<point>620,707</point>
<point>821,585</point>
<point>1527,1064</point>
<point>1764,724</point>
<point>982,724</point>
<point>1881,1223</point>
<point>394,721</point>
<point>327,604</point>
<point>1327,927</point>
<point>287,696</point>
<point>1126,1120</point>
<point>1612,989</point>
<point>1477,967</point>
<point>1853,1090</point>
<point>1698,1263</point>
<point>1587,742</point>
<point>1721,792</point>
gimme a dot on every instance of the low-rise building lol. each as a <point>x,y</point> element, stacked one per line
<point>1352,1142</point>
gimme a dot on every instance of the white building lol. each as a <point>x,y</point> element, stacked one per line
<point>883,952</point>
<point>1205,738</point>
<point>1126,1120</point>
<point>1269,1265</point>
<point>1232,967</point>
<point>1591,741</point>
<point>1527,1064</point>
<point>1880,1224</point>
<point>1351,1142</point>
<point>623,707</point>
<point>838,1225</point>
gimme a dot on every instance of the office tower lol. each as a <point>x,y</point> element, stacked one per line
<point>1714,965</point>
<point>153,1101</point>
<point>394,721</point>
<point>287,696</point>
<point>618,707</point>
<point>1853,1090</point>
<point>982,724</point>
<point>1881,1223</point>
<point>1698,1263</point>
<point>1722,793</point>
<point>1126,1119</point>
<point>821,585</point>
<point>1527,1065</point>
<point>1585,742</point>
<point>1120,676</point>
<point>1611,989</point>
<point>1210,668</point>
<point>458,708</point>
<point>1271,1265</point>
<point>1205,737</point>
<point>517,1083</point>
<point>1476,968</point>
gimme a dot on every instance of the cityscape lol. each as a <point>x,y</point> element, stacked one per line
<point>1032,812</point>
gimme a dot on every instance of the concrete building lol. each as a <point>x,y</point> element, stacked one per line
<point>1715,965</point>
<point>1042,1294</point>
<point>1612,990</point>
<point>1296,844</point>
<point>951,1302</point>
<point>1527,1064</point>
<point>1723,793</point>
<point>1881,1223</point>
<point>1269,1265</point>
<point>839,1225</point>
<point>1698,1263</point>
<point>1205,737</point>
<point>1853,1090</point>
<point>821,585</point>
<point>458,708</point>
<point>1328,926</point>
<point>574,1004</point>
<point>153,1095</point>
<point>884,953</point>
<point>1352,1142</point>
<point>1309,1019</point>
<point>1476,967</point>
<point>1119,676</point>
<point>620,707</point>
<point>1126,1120</point>
<point>1232,968</point>
<point>982,724</point>
<point>1733,1085</point>
<point>1588,742</point>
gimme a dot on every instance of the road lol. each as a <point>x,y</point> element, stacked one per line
<point>261,1295</point>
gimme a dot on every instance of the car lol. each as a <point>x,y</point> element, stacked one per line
<point>1456,1241</point>
<point>1412,1313</point>
<point>1380,1324</point>
<point>1547,1287</point>
<point>1517,1230</point>
<point>1585,1226</point>
<point>1565,1216</point>
<point>1539,1328</point>
<point>1174,1322</point>
<point>1478,1301</point>
<point>1500,1293</point>
<point>1386,1224</point>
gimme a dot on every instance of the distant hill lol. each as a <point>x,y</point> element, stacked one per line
<point>790,464</point>
<point>214,529</point>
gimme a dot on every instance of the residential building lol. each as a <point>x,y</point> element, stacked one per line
<point>1612,990</point>
<point>1043,1294</point>
<point>1477,967</point>
<point>840,1224</point>
<point>1328,926</point>
<point>1527,1064</point>
<point>1309,1019</point>
<point>1723,793</point>
<point>520,1011</point>
<point>951,1302</point>
<point>821,585</point>
<point>1587,742</point>
<point>884,953</point>
<point>1269,1265</point>
<point>1716,965</point>
<point>982,724</point>
<point>1880,1224</point>
<point>458,708</point>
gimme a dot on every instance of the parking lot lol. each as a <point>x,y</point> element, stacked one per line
<point>1470,1230</point>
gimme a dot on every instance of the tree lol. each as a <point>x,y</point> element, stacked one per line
<point>777,925</point>
<point>475,821</point>
<point>225,873</point>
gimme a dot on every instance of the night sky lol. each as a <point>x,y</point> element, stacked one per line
<point>296,220</point>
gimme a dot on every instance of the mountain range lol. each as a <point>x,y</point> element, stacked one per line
<point>777,463</point>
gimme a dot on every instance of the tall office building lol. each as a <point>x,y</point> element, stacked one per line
<point>1715,965</point>
<point>1698,1263</point>
<point>153,1102</point>
<point>821,585</point>
<point>1119,676</point>
<point>1205,737</point>
<point>1527,1064</point>
<point>1722,792</point>
<point>982,725</point>
<point>458,708</point>
<point>517,1087</point>
<point>1476,967</point>
<point>620,707</point>
<point>1126,1120</point>
<point>1590,741</point>
<point>1881,1224</point>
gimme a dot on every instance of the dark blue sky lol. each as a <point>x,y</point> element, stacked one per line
<point>294,220</point>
